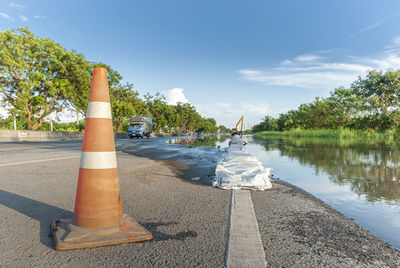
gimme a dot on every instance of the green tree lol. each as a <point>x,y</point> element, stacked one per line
<point>208,125</point>
<point>212,124</point>
<point>287,120</point>
<point>124,104</point>
<point>189,117</point>
<point>158,109</point>
<point>37,75</point>
<point>347,106</point>
<point>173,118</point>
<point>124,100</point>
<point>281,121</point>
<point>372,102</point>
<point>380,96</point>
<point>223,129</point>
<point>315,115</point>
<point>80,97</point>
<point>268,124</point>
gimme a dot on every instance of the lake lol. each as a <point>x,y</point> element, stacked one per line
<point>358,178</point>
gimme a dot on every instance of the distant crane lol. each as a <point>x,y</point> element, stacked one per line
<point>235,130</point>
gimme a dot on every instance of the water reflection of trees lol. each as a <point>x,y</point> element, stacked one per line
<point>370,169</point>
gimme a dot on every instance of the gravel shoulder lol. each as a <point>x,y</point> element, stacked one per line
<point>298,230</point>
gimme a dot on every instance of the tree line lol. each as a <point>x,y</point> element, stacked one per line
<point>39,77</point>
<point>370,103</point>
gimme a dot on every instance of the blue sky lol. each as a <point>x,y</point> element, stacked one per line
<point>227,58</point>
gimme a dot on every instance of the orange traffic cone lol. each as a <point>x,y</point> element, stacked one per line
<point>98,219</point>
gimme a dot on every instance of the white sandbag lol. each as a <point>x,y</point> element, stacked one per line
<point>239,170</point>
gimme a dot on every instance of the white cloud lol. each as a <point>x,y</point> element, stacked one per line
<point>6,16</point>
<point>391,60</point>
<point>367,28</point>
<point>175,95</point>
<point>307,58</point>
<point>394,45</point>
<point>38,17</point>
<point>23,18</point>
<point>12,4</point>
<point>304,80</point>
<point>313,71</point>
<point>244,107</point>
<point>322,66</point>
<point>225,104</point>
<point>372,26</point>
<point>285,62</point>
<point>258,109</point>
<point>396,40</point>
<point>249,72</point>
<point>228,114</point>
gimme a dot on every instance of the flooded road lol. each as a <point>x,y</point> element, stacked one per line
<point>196,163</point>
<point>359,179</point>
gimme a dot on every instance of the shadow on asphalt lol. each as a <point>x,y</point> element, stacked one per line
<point>46,214</point>
<point>160,236</point>
<point>36,210</point>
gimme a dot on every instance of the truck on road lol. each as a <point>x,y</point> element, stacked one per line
<point>140,126</point>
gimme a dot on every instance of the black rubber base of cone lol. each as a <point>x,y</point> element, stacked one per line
<point>68,236</point>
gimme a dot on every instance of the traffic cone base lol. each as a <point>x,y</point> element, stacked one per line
<point>68,236</point>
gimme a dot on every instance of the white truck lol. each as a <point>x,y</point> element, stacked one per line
<point>140,126</point>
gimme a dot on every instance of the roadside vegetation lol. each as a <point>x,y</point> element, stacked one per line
<point>339,134</point>
<point>39,77</point>
<point>369,108</point>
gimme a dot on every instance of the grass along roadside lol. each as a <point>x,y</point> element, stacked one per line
<point>344,133</point>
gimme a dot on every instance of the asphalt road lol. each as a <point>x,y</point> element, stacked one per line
<point>188,221</point>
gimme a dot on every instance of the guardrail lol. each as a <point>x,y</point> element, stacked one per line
<point>29,135</point>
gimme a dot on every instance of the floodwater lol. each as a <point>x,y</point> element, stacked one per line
<point>359,179</point>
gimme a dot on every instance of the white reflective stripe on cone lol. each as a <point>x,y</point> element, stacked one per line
<point>98,109</point>
<point>98,160</point>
